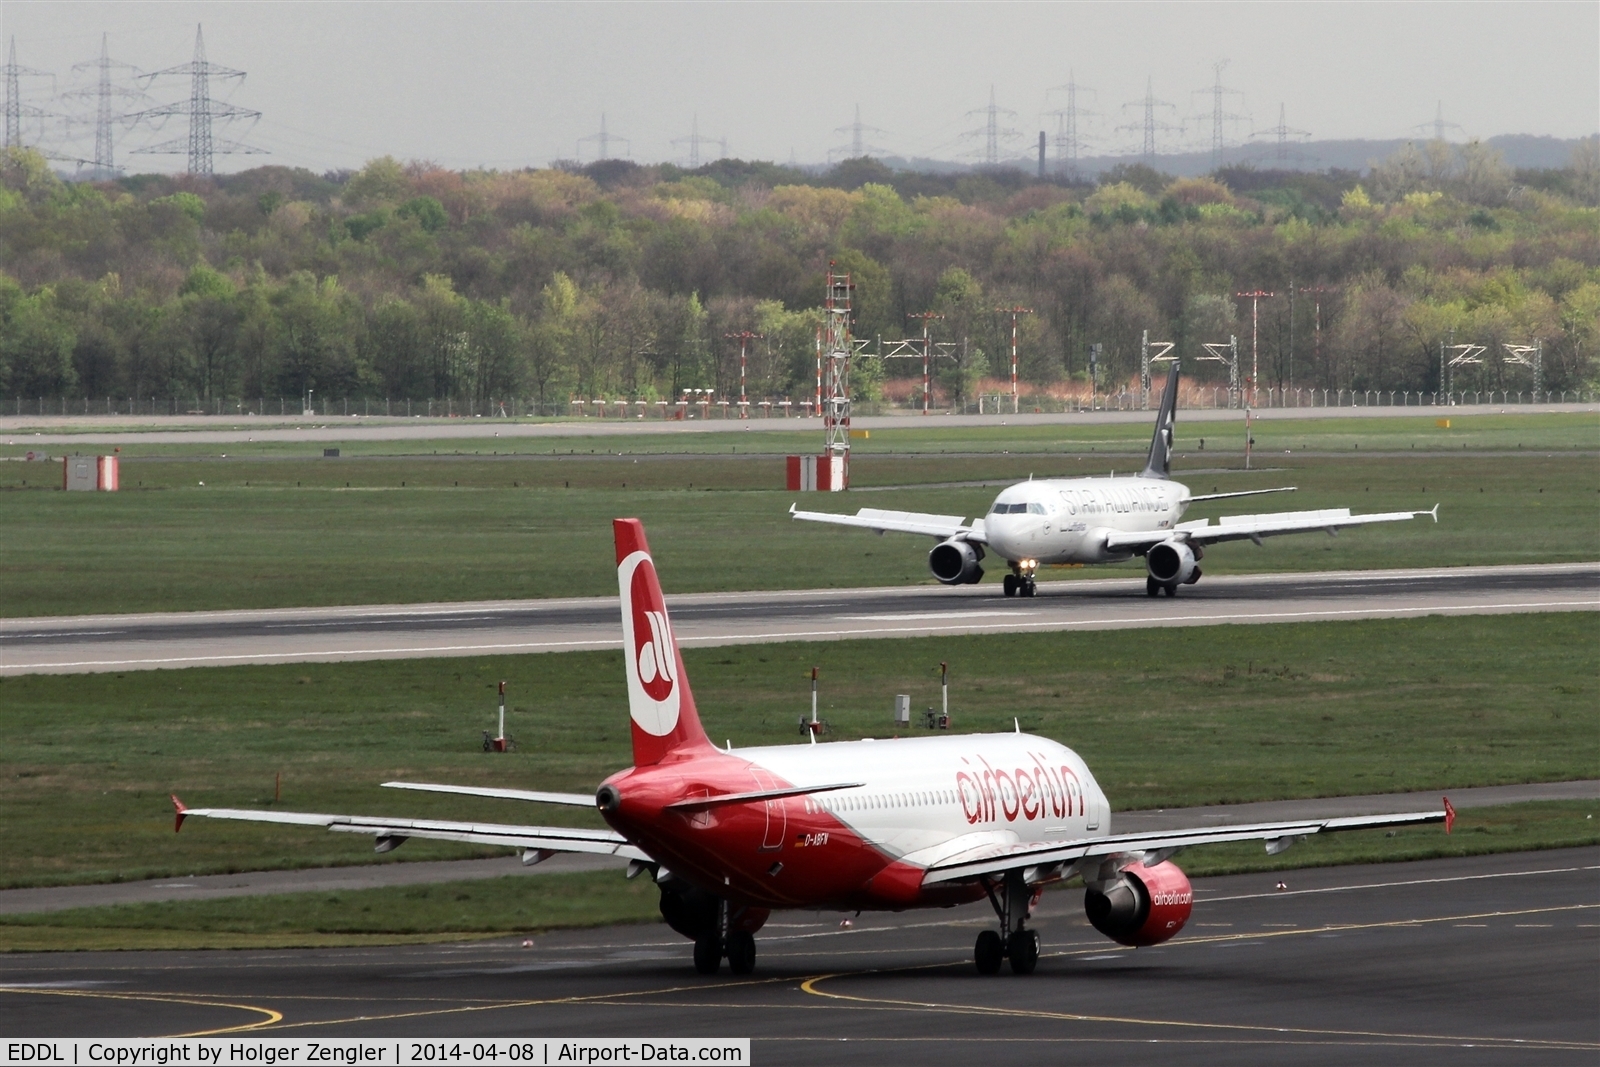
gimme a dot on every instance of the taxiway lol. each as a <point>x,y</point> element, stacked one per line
<point>1492,959</point>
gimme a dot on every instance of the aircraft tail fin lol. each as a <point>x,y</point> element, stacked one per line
<point>659,700</point>
<point>1160,461</point>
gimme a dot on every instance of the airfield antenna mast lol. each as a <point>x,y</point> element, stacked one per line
<point>835,351</point>
<point>15,108</point>
<point>1255,296</point>
<point>744,337</point>
<point>1532,357</point>
<point>202,111</point>
<point>1150,352</point>
<point>1014,311</point>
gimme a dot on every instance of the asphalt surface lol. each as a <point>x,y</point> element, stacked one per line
<point>134,642</point>
<point>1488,960</point>
<point>29,431</point>
<point>374,875</point>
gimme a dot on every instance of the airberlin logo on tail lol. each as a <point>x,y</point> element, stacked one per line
<point>653,694</point>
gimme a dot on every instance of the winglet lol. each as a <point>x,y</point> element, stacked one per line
<point>792,507</point>
<point>182,813</point>
<point>1449,814</point>
<point>1435,513</point>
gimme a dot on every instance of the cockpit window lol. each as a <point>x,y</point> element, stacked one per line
<point>1036,509</point>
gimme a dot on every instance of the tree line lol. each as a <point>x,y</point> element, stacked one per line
<point>409,281</point>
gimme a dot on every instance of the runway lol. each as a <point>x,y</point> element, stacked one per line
<point>32,430</point>
<point>1492,959</point>
<point>138,642</point>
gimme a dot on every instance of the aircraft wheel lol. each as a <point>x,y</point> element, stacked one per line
<point>1023,948</point>
<point>1011,585</point>
<point>988,952</point>
<point>708,954</point>
<point>1170,590</point>
<point>1151,587</point>
<point>1029,587</point>
<point>741,952</point>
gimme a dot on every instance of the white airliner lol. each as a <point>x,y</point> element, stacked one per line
<point>1097,520</point>
<point>729,835</point>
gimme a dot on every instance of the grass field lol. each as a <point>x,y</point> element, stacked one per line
<point>527,905</point>
<point>1166,718</point>
<point>277,533</point>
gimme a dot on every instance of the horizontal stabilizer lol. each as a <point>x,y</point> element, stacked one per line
<point>392,831</point>
<point>702,803</point>
<point>1245,492</point>
<point>576,800</point>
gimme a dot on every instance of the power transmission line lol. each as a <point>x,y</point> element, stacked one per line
<point>1150,125</point>
<point>992,133</point>
<point>202,111</point>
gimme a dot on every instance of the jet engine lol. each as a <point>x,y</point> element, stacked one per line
<point>1142,905</point>
<point>694,913</point>
<point>955,562</point>
<point>1172,563</point>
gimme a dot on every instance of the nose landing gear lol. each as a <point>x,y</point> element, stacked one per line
<point>1012,905</point>
<point>1020,582</point>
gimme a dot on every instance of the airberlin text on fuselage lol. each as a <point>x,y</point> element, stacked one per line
<point>1034,792</point>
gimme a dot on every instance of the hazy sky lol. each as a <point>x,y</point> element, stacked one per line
<point>517,83</point>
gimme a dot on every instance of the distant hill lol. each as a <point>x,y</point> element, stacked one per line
<point>1523,151</point>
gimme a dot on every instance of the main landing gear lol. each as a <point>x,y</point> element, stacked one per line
<point>1153,588</point>
<point>1012,904</point>
<point>739,946</point>
<point>1020,581</point>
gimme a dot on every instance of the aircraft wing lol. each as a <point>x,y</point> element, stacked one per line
<point>1255,527</point>
<point>576,800</point>
<point>912,522</point>
<point>1152,848</point>
<point>390,833</point>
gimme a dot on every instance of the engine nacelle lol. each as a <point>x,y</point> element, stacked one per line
<point>1172,563</point>
<point>955,562</point>
<point>694,913</point>
<point>1144,906</point>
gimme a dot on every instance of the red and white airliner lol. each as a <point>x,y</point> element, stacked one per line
<point>730,835</point>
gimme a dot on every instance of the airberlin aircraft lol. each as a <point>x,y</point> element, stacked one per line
<point>730,835</point>
<point>1097,520</point>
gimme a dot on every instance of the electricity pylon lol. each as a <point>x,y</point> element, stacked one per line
<point>694,141</point>
<point>1068,143</point>
<point>992,133</point>
<point>1219,117</point>
<point>602,142</point>
<point>105,93</point>
<point>1150,123</point>
<point>1282,132</point>
<point>202,111</point>
<point>858,145</point>
<point>15,108</point>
